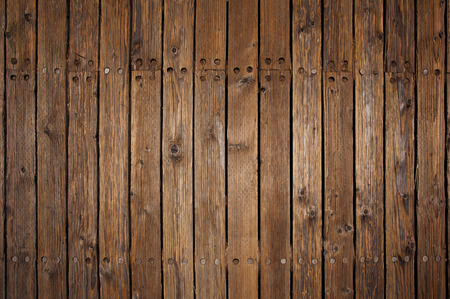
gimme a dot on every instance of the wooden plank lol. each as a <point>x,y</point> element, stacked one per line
<point>338,171</point>
<point>209,132</point>
<point>177,149</point>
<point>82,149</point>
<point>20,209</point>
<point>83,184</point>
<point>430,150</point>
<point>2,152</point>
<point>275,230</point>
<point>51,149</point>
<point>113,150</point>
<point>307,153</point>
<point>145,184</point>
<point>400,199</point>
<point>210,34</point>
<point>448,174</point>
<point>399,35</point>
<point>339,226</point>
<point>209,149</point>
<point>242,134</point>
<point>275,184</point>
<point>146,37</point>
<point>369,101</point>
<point>82,53</point>
<point>338,40</point>
<point>145,191</point>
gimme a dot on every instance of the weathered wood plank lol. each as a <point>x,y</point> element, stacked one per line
<point>399,35</point>
<point>369,101</point>
<point>275,226</point>
<point>210,32</point>
<point>145,184</point>
<point>448,175</point>
<point>338,172</point>
<point>82,54</point>
<point>275,183</point>
<point>145,191</point>
<point>209,149</point>
<point>209,157</point>
<point>51,149</point>
<point>2,151</point>
<point>113,150</point>
<point>20,209</point>
<point>338,41</point>
<point>307,144</point>
<point>177,149</point>
<point>400,203</point>
<point>242,134</point>
<point>146,44</point>
<point>82,195</point>
<point>82,149</point>
<point>430,150</point>
<point>338,61</point>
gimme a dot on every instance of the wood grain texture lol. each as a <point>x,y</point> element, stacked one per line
<point>274,39</point>
<point>114,150</point>
<point>145,203</point>
<point>177,150</point>
<point>82,149</point>
<point>210,32</point>
<point>145,190</point>
<point>209,149</point>
<point>82,194</point>
<point>431,247</point>
<point>146,35</point>
<point>399,36</point>
<point>448,174</point>
<point>275,183</point>
<point>307,149</point>
<point>20,208</point>
<point>51,150</point>
<point>2,151</point>
<point>338,179</point>
<point>338,81</point>
<point>338,40</point>
<point>210,197</point>
<point>275,205</point>
<point>242,134</point>
<point>400,199</point>
<point>82,54</point>
<point>369,102</point>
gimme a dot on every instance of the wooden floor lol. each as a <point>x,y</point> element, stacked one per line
<point>224,149</point>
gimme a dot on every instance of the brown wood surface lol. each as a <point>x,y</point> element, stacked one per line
<point>209,149</point>
<point>209,132</point>
<point>82,149</point>
<point>145,190</point>
<point>400,208</point>
<point>242,135</point>
<point>145,184</point>
<point>2,152</point>
<point>83,50</point>
<point>399,36</point>
<point>338,179</point>
<point>20,208</point>
<point>274,128</point>
<point>338,40</point>
<point>177,149</point>
<point>51,150</point>
<point>431,247</point>
<point>82,204</point>
<point>369,175</point>
<point>114,150</point>
<point>307,149</point>
<point>338,81</point>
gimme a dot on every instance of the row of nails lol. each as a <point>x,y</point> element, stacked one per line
<point>250,261</point>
